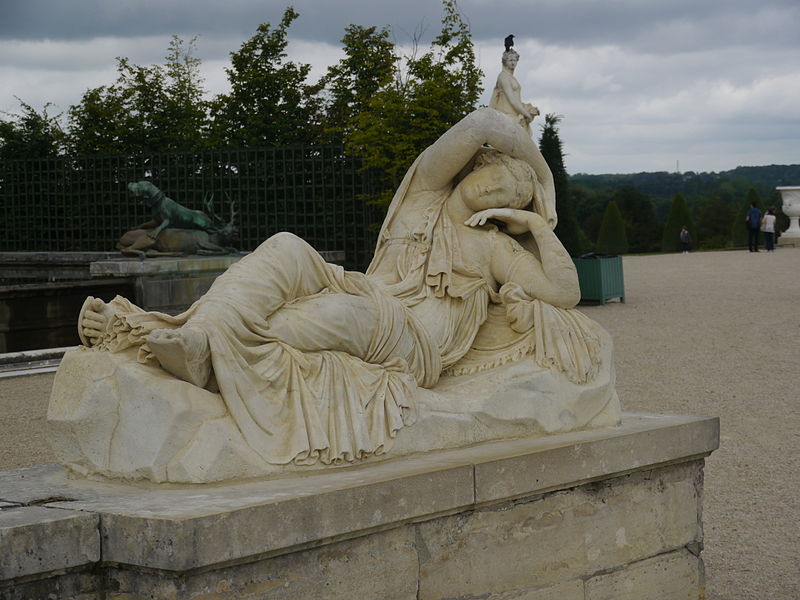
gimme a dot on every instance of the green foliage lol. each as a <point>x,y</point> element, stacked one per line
<point>30,134</point>
<point>612,238</point>
<point>567,230</point>
<point>715,218</point>
<point>642,230</point>
<point>149,108</point>
<point>409,113</point>
<point>369,65</point>
<point>589,206</point>
<point>270,102</point>
<point>678,217</point>
<point>739,228</point>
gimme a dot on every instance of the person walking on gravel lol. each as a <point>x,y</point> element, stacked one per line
<point>768,223</point>
<point>753,221</point>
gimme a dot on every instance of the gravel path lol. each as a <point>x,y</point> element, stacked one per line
<point>713,333</point>
<point>718,333</point>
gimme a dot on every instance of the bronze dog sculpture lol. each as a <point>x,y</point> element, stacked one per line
<point>168,213</point>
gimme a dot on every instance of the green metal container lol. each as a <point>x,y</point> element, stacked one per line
<point>600,278</point>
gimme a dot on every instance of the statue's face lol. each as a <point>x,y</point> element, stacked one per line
<point>489,186</point>
<point>511,62</point>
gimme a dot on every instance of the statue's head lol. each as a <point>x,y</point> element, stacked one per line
<point>511,180</point>
<point>510,58</point>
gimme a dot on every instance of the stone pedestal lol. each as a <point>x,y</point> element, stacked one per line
<point>594,515</point>
<point>791,208</point>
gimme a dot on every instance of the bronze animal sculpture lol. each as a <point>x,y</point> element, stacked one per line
<point>168,213</point>
<point>178,242</point>
<point>151,239</point>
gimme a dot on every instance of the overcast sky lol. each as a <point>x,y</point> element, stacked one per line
<point>644,85</point>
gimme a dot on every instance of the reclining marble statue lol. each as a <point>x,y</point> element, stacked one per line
<point>462,330</point>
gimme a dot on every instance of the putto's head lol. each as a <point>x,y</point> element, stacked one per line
<point>522,176</point>
<point>510,58</point>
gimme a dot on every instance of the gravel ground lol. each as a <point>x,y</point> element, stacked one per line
<point>713,333</point>
<point>718,333</point>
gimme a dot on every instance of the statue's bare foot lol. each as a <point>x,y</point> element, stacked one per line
<point>183,352</point>
<point>93,320</point>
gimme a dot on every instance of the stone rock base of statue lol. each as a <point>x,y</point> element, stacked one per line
<point>610,514</point>
<point>113,417</point>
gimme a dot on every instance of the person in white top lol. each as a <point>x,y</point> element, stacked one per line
<point>768,227</point>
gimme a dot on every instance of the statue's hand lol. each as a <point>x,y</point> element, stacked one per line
<point>480,218</point>
<point>516,221</point>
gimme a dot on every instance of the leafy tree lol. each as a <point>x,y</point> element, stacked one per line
<point>567,230</point>
<point>589,207</point>
<point>30,134</point>
<point>714,221</point>
<point>270,102</point>
<point>148,108</point>
<point>642,229</point>
<point>185,111</point>
<point>678,217</point>
<point>369,65</point>
<point>739,228</point>
<point>400,120</point>
<point>612,238</point>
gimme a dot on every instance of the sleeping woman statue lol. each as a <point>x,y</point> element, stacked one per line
<point>318,364</point>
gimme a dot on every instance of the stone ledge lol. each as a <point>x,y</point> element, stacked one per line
<point>175,528</point>
<point>643,441</point>
<point>130,267</point>
<point>36,540</point>
<point>186,265</point>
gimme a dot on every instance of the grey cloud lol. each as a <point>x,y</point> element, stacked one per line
<point>655,25</point>
<point>641,84</point>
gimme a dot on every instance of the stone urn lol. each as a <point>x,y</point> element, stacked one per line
<point>791,208</point>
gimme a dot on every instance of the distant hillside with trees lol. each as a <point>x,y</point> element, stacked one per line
<point>714,201</point>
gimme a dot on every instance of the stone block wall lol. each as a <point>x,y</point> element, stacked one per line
<point>405,530</point>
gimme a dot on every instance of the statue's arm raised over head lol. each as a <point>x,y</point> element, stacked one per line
<point>446,157</point>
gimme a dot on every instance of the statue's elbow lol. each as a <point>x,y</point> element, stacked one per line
<point>568,296</point>
<point>573,297</point>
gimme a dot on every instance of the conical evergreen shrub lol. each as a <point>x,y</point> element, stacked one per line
<point>678,217</point>
<point>567,230</point>
<point>612,238</point>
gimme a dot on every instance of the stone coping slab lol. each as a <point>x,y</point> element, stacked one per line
<point>177,528</point>
<point>49,258</point>
<point>129,267</point>
<point>35,539</point>
<point>133,267</point>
